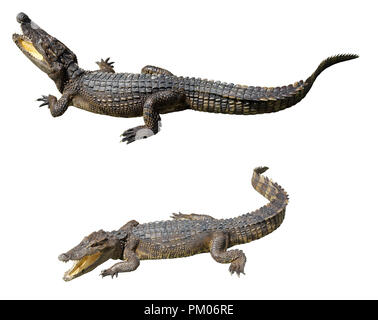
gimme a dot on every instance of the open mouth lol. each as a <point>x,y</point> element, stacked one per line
<point>26,45</point>
<point>81,265</point>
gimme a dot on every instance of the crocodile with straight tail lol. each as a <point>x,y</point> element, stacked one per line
<point>153,92</point>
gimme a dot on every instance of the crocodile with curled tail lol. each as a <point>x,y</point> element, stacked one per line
<point>185,235</point>
<point>153,92</point>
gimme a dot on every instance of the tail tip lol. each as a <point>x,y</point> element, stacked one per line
<point>345,57</point>
<point>352,56</point>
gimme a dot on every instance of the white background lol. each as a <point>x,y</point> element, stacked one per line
<point>62,178</point>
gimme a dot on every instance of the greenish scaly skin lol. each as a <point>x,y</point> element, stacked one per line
<point>153,92</point>
<point>185,235</point>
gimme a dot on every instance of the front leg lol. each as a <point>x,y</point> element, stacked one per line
<point>130,264</point>
<point>57,107</point>
<point>168,101</point>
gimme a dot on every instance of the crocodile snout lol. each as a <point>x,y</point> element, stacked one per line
<point>22,17</point>
<point>63,257</point>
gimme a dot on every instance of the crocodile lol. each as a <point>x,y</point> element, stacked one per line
<point>185,235</point>
<point>153,92</point>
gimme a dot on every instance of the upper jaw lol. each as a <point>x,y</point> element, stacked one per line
<point>17,37</point>
<point>29,27</point>
<point>22,17</point>
<point>30,30</point>
<point>28,41</point>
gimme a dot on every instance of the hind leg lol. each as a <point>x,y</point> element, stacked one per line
<point>220,254</point>
<point>162,101</point>
<point>106,65</point>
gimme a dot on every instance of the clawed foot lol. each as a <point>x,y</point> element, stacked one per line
<point>237,267</point>
<point>137,133</point>
<point>44,100</point>
<point>106,65</point>
<point>109,272</point>
<point>179,216</point>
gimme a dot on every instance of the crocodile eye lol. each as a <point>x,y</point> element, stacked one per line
<point>45,45</point>
<point>98,243</point>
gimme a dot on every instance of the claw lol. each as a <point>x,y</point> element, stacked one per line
<point>105,65</point>
<point>108,272</point>
<point>107,61</point>
<point>178,216</point>
<point>238,269</point>
<point>128,139</point>
<point>44,100</point>
<point>136,133</point>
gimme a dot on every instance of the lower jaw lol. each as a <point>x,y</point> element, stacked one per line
<point>80,265</point>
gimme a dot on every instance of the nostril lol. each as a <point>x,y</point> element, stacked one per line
<point>22,17</point>
<point>63,257</point>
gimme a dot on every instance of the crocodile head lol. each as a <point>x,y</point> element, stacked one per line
<point>46,52</point>
<point>92,251</point>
